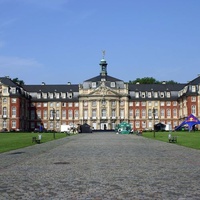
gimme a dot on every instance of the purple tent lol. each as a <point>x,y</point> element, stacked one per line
<point>191,120</point>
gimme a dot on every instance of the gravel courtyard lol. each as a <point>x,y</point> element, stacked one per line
<point>101,166</point>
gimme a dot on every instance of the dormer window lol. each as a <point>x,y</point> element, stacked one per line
<point>143,94</point>
<point>162,94</point>
<point>69,95</point>
<point>94,84</point>
<point>57,95</point>
<point>112,84</point>
<point>39,95</point>
<point>63,95</point>
<point>13,90</point>
<point>168,94</point>
<point>149,94</point>
<point>137,95</point>
<point>51,95</point>
<point>44,95</point>
<point>155,95</point>
<point>193,88</point>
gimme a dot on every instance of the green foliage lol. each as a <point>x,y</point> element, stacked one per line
<point>150,80</point>
<point>16,80</point>
<point>12,141</point>
<point>187,139</point>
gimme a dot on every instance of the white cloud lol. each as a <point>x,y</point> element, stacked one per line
<point>13,63</point>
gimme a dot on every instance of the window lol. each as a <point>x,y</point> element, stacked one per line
<point>137,95</point>
<point>149,94</point>
<point>156,103</point>
<point>149,103</point>
<point>168,113</point>
<point>13,124</point>
<point>174,112</point>
<point>63,114</point>
<point>69,95</point>
<point>57,95</point>
<point>168,94</point>
<point>162,113</point>
<point>143,103</point>
<point>113,113</point>
<point>14,100</point>
<point>4,112</point>
<point>63,95</point>
<point>57,104</point>
<point>137,103</point>
<point>44,95</point>
<point>155,95</point>
<point>112,84</point>
<point>137,113</point>
<point>162,94</point>
<point>94,103</point>
<point>103,113</point>
<point>51,95</point>
<point>76,104</point>
<point>143,94</point>
<point>174,103</point>
<point>57,114</point>
<point>38,104</point>
<point>168,103</point>
<point>143,113</point>
<point>39,114</point>
<point>85,103</point>
<point>122,103</point>
<point>45,114</point>
<point>70,104</point>
<point>63,104</point>
<point>162,103</point>
<point>51,104</point>
<point>130,113</point>
<point>93,84</point>
<point>193,108</point>
<point>193,99</point>
<point>130,103</point>
<point>76,114</point>
<point>13,111</point>
<point>85,114</point>
<point>113,103</point>
<point>5,91</point>
<point>94,113</point>
<point>122,113</point>
<point>4,124</point>
<point>32,114</point>
<point>44,104</point>
<point>13,90</point>
<point>4,100</point>
<point>39,95</point>
<point>193,88</point>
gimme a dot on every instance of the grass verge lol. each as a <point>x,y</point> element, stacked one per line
<point>187,139</point>
<point>12,141</point>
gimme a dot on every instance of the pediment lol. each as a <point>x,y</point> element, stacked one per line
<point>103,91</point>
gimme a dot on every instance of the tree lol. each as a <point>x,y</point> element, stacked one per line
<point>16,80</point>
<point>150,80</point>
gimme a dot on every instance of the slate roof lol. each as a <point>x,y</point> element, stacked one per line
<point>195,81</point>
<point>8,82</point>
<point>51,88</point>
<point>155,87</point>
<point>98,78</point>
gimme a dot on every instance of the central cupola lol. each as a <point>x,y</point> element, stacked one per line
<point>103,65</point>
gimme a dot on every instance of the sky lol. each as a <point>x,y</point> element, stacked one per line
<point>61,41</point>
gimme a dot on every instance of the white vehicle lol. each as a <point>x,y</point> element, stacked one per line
<point>65,128</point>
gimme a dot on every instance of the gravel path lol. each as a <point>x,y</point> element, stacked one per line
<point>101,166</point>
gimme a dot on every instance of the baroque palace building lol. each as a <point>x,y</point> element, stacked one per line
<point>102,102</point>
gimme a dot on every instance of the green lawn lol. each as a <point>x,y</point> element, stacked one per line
<point>185,138</point>
<point>12,141</point>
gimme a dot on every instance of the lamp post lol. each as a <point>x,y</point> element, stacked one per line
<point>154,113</point>
<point>54,134</point>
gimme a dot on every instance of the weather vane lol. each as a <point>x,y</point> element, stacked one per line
<point>103,52</point>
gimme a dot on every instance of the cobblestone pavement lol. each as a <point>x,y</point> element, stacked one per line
<point>101,166</point>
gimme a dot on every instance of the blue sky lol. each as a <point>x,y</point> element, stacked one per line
<point>61,41</point>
